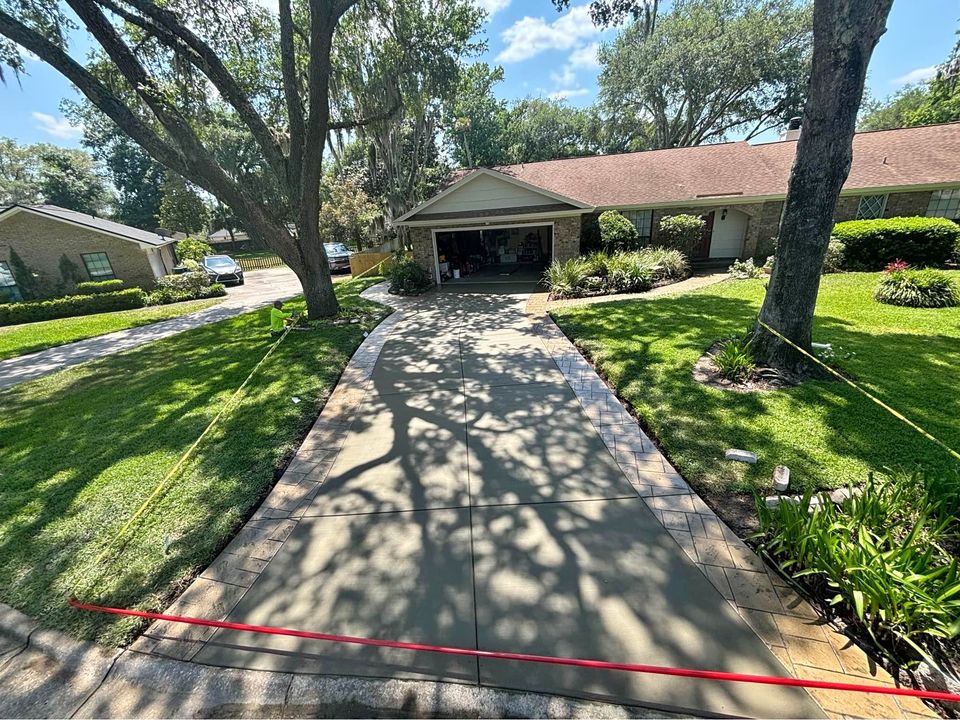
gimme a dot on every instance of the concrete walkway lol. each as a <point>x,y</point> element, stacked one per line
<point>262,287</point>
<point>471,502</point>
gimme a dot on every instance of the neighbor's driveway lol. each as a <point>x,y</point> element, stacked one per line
<point>261,288</point>
<point>473,504</point>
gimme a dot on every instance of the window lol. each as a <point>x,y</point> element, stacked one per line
<point>871,207</point>
<point>944,203</point>
<point>8,284</point>
<point>642,220</point>
<point>98,266</point>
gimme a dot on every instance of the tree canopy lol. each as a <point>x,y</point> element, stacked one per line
<point>937,101</point>
<point>709,68</point>
<point>200,84</point>
<point>42,173</point>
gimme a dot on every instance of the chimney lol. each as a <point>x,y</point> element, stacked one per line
<point>793,129</point>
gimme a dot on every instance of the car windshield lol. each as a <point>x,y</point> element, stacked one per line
<point>218,261</point>
<point>333,248</point>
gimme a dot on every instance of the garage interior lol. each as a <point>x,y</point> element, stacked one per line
<point>516,254</point>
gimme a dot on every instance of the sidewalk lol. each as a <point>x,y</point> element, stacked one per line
<point>262,287</point>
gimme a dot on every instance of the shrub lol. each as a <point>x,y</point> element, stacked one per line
<point>926,288</point>
<point>95,287</point>
<point>734,358</point>
<point>882,554</point>
<point>566,279</point>
<point>871,244</point>
<point>743,270</point>
<point>187,286</point>
<point>616,232</point>
<point>70,306</point>
<point>629,272</point>
<point>595,264</point>
<point>681,232</point>
<point>193,249</point>
<point>667,263</point>
<point>835,259</point>
<point>407,277</point>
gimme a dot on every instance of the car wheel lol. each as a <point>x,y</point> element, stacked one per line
<point>240,281</point>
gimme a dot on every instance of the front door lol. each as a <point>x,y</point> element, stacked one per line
<point>703,249</point>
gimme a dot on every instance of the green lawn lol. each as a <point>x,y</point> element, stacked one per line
<point>826,432</point>
<point>82,448</point>
<point>22,339</point>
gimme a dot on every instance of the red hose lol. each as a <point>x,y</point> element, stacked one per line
<point>524,657</point>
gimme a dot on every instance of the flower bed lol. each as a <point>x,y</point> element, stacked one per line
<point>620,272</point>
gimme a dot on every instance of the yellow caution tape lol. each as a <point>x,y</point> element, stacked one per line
<point>900,416</point>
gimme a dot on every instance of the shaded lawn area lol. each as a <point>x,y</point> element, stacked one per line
<point>22,339</point>
<point>826,432</point>
<point>81,449</point>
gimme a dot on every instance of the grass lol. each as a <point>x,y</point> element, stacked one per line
<point>22,339</point>
<point>826,432</point>
<point>82,448</point>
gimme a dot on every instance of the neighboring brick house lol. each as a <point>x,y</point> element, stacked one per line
<point>101,249</point>
<point>546,210</point>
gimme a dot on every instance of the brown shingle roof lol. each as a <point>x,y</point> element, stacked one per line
<point>885,158</point>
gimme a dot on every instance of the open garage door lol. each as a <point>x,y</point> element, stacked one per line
<point>513,255</point>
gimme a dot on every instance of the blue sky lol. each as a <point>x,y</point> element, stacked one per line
<point>544,54</point>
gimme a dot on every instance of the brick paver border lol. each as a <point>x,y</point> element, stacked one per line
<point>807,645</point>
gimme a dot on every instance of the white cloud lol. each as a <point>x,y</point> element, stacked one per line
<point>568,93</point>
<point>57,126</point>
<point>585,57</point>
<point>531,36</point>
<point>492,6</point>
<point>916,76</point>
<point>566,77</point>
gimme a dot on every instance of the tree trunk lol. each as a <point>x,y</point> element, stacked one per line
<point>845,33</point>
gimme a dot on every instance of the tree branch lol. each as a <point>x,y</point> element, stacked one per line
<point>95,91</point>
<point>168,29</point>
<point>363,122</point>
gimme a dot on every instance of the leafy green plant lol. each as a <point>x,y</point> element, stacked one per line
<point>681,232</point>
<point>745,269</point>
<point>407,277</point>
<point>835,259</point>
<point>871,244</point>
<point>192,248</point>
<point>595,264</point>
<point>186,286</point>
<point>616,232</point>
<point>630,272</point>
<point>566,279</point>
<point>71,306</point>
<point>925,288</point>
<point>734,359</point>
<point>95,287</point>
<point>881,554</point>
<point>666,263</point>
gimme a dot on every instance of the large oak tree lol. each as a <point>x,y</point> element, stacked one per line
<point>179,69</point>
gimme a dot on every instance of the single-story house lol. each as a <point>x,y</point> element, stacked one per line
<point>223,237</point>
<point>100,249</point>
<point>537,212</point>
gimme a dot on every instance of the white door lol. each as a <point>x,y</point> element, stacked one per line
<point>729,231</point>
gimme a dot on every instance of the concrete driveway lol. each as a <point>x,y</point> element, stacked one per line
<point>473,504</point>
<point>261,287</point>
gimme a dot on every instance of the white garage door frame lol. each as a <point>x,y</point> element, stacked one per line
<point>502,226</point>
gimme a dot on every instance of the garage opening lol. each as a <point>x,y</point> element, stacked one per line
<point>516,254</point>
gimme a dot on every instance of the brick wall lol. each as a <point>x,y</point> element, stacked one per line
<point>421,239</point>
<point>41,242</point>
<point>566,238</point>
<point>905,204</point>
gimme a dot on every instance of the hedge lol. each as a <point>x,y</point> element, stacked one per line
<point>872,244</point>
<point>96,287</point>
<point>70,306</point>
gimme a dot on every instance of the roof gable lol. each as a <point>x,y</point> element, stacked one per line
<point>143,238</point>
<point>484,190</point>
